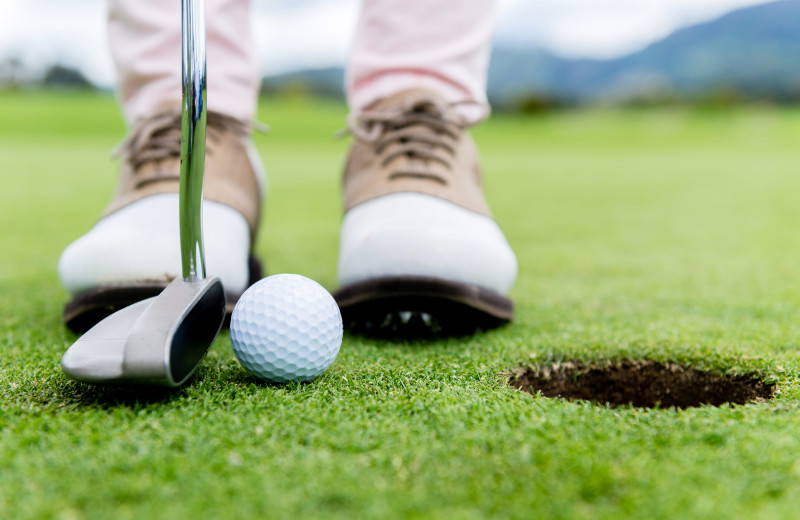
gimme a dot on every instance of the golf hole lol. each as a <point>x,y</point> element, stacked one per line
<point>642,384</point>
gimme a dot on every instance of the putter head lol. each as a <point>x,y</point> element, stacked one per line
<point>158,341</point>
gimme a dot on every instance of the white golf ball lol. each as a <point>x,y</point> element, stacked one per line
<point>286,327</point>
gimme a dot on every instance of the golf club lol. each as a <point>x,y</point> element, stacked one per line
<point>162,340</point>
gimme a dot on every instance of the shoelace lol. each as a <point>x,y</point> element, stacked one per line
<point>159,137</point>
<point>425,130</point>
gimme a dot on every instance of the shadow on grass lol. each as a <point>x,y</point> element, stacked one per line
<point>251,380</point>
<point>417,334</point>
<point>380,320</point>
<point>114,396</point>
<point>75,393</point>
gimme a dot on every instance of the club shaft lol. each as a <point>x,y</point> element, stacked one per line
<point>193,137</point>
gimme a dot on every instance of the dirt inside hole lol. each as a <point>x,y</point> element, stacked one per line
<point>643,384</point>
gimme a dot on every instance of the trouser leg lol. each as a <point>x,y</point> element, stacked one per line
<point>145,38</point>
<point>442,45</point>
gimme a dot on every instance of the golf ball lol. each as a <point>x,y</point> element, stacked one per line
<point>286,327</point>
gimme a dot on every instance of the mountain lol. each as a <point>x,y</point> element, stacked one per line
<point>517,72</point>
<point>754,50</point>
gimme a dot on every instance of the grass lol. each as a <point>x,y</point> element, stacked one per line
<point>664,235</point>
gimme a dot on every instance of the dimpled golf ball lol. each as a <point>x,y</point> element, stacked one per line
<point>286,327</point>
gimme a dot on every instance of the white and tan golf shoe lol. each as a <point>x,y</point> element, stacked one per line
<point>418,243</point>
<point>133,251</point>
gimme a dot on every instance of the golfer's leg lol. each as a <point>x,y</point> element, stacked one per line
<point>145,38</point>
<point>134,250</point>
<point>442,45</point>
<point>417,228</point>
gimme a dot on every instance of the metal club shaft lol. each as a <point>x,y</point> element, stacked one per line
<point>193,137</point>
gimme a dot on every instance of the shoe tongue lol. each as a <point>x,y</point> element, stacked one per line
<point>419,99</point>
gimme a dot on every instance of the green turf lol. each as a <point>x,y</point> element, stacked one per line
<point>657,234</point>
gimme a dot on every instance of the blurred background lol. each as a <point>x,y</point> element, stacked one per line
<point>548,54</point>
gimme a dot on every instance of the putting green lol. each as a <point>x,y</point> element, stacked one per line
<point>663,235</point>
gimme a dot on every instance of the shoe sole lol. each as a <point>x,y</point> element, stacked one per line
<point>88,308</point>
<point>413,306</point>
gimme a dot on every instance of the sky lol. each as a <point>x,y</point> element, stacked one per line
<point>293,34</point>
